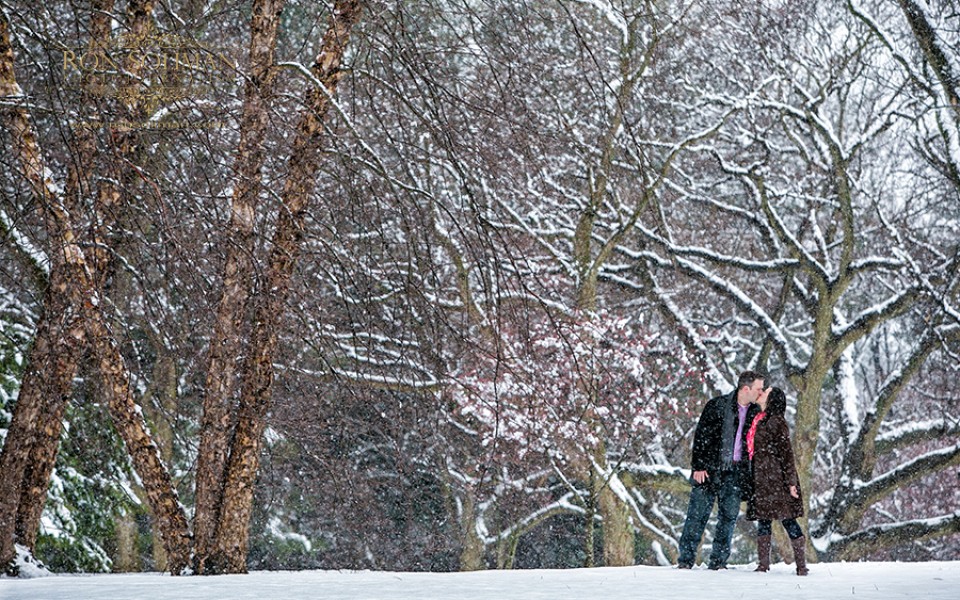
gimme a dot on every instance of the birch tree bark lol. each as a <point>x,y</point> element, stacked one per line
<point>233,527</point>
<point>106,196</point>
<point>45,388</point>
<point>81,294</point>
<point>53,373</point>
<point>30,448</point>
<point>225,345</point>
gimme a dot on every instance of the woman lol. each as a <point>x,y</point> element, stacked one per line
<point>776,487</point>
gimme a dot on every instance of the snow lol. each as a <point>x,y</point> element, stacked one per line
<point>616,19</point>
<point>860,581</point>
<point>21,241</point>
<point>276,529</point>
<point>28,567</point>
<point>849,397</point>
<point>773,330</point>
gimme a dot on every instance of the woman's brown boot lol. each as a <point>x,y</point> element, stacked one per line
<point>763,549</point>
<point>800,554</point>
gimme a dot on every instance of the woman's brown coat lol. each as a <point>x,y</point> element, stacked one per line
<point>774,471</point>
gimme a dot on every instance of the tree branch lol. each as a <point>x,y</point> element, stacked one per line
<point>856,502</point>
<point>855,546</point>
<point>869,319</point>
<point>916,433</point>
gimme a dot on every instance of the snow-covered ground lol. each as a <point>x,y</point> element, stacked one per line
<point>857,581</point>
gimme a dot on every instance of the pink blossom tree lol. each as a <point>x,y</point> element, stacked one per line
<point>580,400</point>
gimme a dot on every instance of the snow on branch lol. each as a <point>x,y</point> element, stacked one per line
<point>896,52</point>
<point>916,432</point>
<point>566,387</point>
<point>428,384</point>
<point>669,309</point>
<point>870,492</point>
<point>777,264</point>
<point>809,263</point>
<point>876,262</point>
<point>871,317</point>
<point>857,545</point>
<point>561,506</point>
<point>616,18</point>
<point>558,255</point>
<point>746,303</point>
<point>661,477</point>
<point>849,397</point>
<point>37,259</point>
<point>863,445</point>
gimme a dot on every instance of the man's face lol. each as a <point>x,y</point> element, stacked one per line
<point>750,394</point>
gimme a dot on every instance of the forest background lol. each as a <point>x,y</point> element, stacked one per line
<point>441,285</point>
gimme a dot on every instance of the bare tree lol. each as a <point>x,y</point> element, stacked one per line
<point>79,292</point>
<point>226,344</point>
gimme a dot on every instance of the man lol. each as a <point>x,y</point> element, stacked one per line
<point>721,471</point>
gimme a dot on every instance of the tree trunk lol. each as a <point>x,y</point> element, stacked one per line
<point>589,525</point>
<point>225,346</point>
<point>51,362</point>
<point>128,419</point>
<point>126,559</point>
<point>233,528</point>
<point>55,371</point>
<point>81,293</point>
<point>507,550</point>
<point>45,387</point>
<point>807,430</point>
<point>619,546</point>
<point>471,556</point>
<point>926,37</point>
<point>43,454</point>
<point>60,376</point>
<point>161,400</point>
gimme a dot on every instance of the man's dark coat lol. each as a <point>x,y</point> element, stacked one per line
<point>708,442</point>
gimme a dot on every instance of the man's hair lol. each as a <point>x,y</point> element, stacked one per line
<point>747,378</point>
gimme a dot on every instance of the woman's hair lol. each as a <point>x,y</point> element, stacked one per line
<point>776,402</point>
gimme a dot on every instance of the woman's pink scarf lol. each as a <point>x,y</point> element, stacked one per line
<point>752,433</point>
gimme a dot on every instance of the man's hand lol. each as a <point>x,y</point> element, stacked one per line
<point>701,476</point>
<point>793,491</point>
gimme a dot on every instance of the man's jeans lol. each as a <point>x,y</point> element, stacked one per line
<point>726,493</point>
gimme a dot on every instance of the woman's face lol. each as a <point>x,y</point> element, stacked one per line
<point>762,398</point>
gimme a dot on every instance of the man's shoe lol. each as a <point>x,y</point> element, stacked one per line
<point>684,566</point>
<point>717,567</point>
